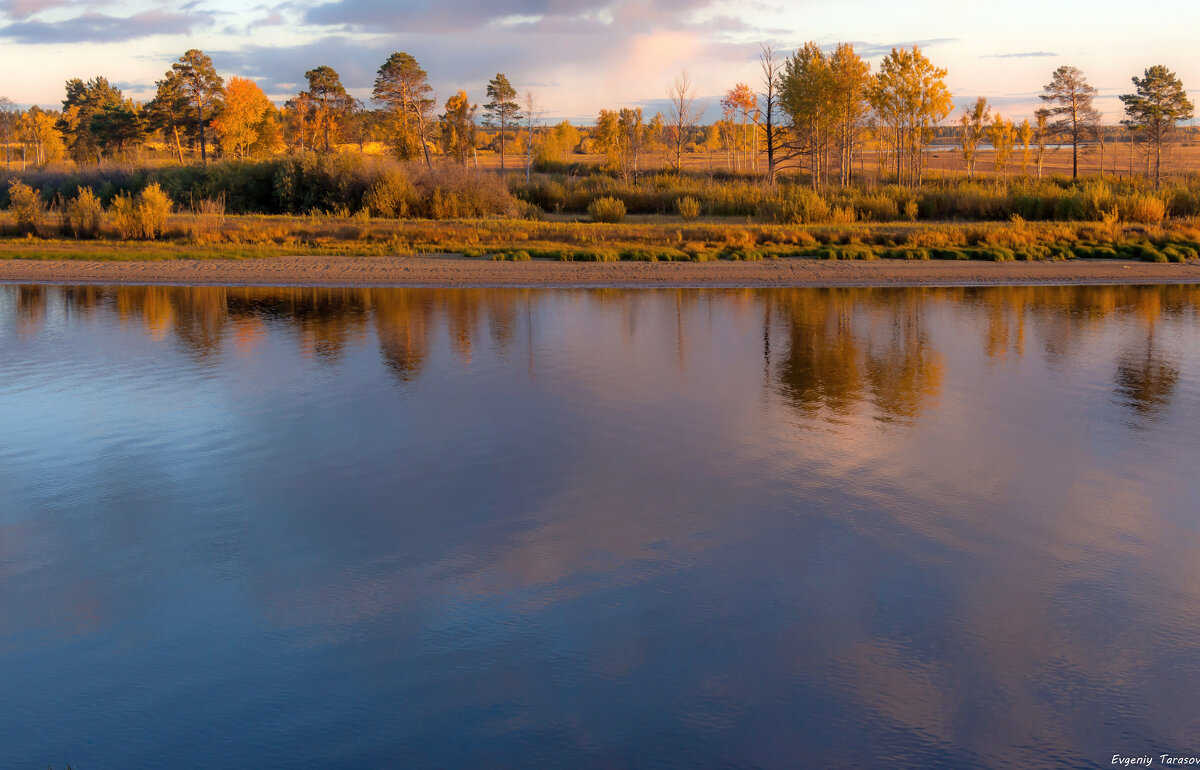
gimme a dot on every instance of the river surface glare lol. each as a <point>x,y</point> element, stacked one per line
<point>374,528</point>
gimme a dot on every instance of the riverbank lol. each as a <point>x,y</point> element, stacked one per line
<point>453,271</point>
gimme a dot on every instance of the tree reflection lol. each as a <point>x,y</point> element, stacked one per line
<point>848,347</point>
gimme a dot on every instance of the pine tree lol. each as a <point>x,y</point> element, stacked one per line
<point>1071,110</point>
<point>326,102</point>
<point>503,110</point>
<point>402,87</point>
<point>202,88</point>
<point>1158,105</point>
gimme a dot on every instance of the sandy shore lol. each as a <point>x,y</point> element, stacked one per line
<point>458,272</point>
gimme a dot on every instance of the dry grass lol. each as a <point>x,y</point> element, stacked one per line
<point>644,238</point>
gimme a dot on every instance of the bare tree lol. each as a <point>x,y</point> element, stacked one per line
<point>531,119</point>
<point>684,116</point>
<point>770,114</point>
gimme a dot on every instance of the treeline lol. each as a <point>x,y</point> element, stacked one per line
<point>815,114</point>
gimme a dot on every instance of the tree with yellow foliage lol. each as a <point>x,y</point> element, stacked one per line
<point>910,98</point>
<point>458,127</point>
<point>1003,135</point>
<point>973,122</point>
<point>246,124</point>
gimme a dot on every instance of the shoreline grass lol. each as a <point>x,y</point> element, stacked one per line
<point>645,238</point>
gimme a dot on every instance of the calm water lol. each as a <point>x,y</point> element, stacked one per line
<point>504,528</point>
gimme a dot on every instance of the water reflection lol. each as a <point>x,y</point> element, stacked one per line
<point>838,527</point>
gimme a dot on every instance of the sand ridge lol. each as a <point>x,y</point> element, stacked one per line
<point>438,271</point>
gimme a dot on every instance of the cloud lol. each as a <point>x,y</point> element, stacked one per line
<point>458,15</point>
<point>1021,55</point>
<point>23,9</point>
<point>101,28</point>
<point>871,50</point>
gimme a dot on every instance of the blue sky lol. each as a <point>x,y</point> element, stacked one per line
<point>577,56</point>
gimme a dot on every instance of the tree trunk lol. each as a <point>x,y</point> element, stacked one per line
<point>200,125</point>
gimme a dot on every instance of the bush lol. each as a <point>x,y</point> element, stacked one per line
<point>794,205</point>
<point>456,193</point>
<point>83,214</point>
<point>1145,209</point>
<point>606,209</point>
<point>26,206</point>
<point>688,207</point>
<point>530,211</point>
<point>124,215</point>
<point>391,195</point>
<point>153,208</point>
<point>208,217</point>
<point>142,217</point>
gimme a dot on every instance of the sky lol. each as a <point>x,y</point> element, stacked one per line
<point>577,56</point>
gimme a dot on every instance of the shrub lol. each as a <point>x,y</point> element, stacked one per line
<point>1145,209</point>
<point>153,208</point>
<point>391,195</point>
<point>208,217</point>
<point>26,206</point>
<point>530,211</point>
<point>688,207</point>
<point>83,214</point>
<point>794,205</point>
<point>124,215</point>
<point>606,209</point>
<point>142,217</point>
<point>878,208</point>
<point>456,193</point>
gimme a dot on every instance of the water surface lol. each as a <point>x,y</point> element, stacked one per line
<point>310,528</point>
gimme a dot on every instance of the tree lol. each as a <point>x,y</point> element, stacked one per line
<point>402,87</point>
<point>84,102</point>
<point>1025,136</point>
<point>973,122</point>
<point>738,108</point>
<point>359,125</point>
<point>246,124</point>
<point>531,119</point>
<point>825,97</point>
<point>806,88</point>
<point>38,132</point>
<point>168,110</point>
<point>1155,109</point>
<point>623,137</point>
<point>119,125</point>
<point>503,110</point>
<point>1073,116</point>
<point>1003,135</point>
<point>770,121</point>
<point>10,118</point>
<point>458,127</point>
<point>1041,134</point>
<point>683,117</point>
<point>851,76</point>
<point>910,97</point>
<point>202,88</point>
<point>325,102</point>
<point>560,142</point>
